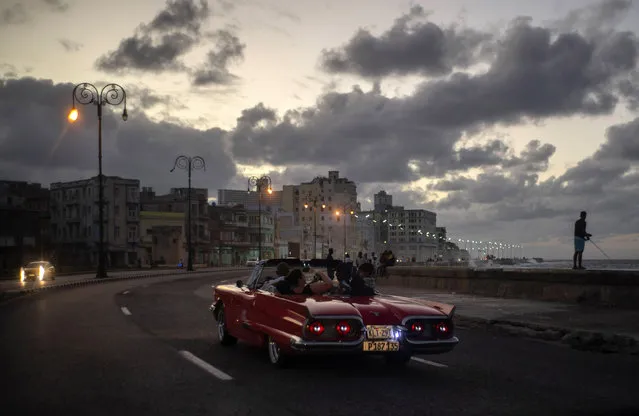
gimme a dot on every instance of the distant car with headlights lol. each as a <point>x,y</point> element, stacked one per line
<point>251,262</point>
<point>37,270</point>
<point>393,326</point>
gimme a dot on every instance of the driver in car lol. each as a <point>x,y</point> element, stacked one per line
<point>295,284</point>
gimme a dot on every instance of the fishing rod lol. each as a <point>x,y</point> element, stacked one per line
<point>602,252</point>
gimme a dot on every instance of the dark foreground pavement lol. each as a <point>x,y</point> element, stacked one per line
<point>115,349</point>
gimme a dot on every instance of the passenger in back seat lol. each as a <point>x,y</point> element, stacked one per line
<point>281,271</point>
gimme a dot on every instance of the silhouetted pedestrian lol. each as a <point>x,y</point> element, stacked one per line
<point>580,240</point>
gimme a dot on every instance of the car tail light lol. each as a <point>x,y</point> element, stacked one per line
<point>343,328</point>
<point>417,327</point>
<point>316,328</point>
<point>442,328</point>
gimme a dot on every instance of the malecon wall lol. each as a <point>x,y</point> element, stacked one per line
<point>597,288</point>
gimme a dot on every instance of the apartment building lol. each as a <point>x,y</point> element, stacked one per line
<point>409,233</point>
<point>177,201</point>
<point>24,225</point>
<point>412,233</point>
<point>249,198</point>
<point>235,234</point>
<point>74,209</point>
<point>323,207</point>
<point>162,238</point>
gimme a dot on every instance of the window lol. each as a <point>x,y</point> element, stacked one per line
<point>116,210</point>
<point>132,233</point>
<point>116,232</point>
<point>133,212</point>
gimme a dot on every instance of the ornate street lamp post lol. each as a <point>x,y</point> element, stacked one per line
<point>346,210</point>
<point>259,184</point>
<point>189,164</point>
<point>111,94</point>
<point>312,203</point>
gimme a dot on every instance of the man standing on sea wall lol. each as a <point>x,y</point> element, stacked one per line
<point>580,240</point>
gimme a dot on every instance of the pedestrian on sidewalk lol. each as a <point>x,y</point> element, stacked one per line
<point>580,241</point>
<point>330,264</point>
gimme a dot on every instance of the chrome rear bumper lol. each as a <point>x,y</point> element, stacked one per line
<point>299,345</point>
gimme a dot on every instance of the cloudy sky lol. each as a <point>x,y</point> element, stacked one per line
<point>505,117</point>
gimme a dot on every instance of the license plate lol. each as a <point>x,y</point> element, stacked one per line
<point>373,346</point>
<point>378,332</point>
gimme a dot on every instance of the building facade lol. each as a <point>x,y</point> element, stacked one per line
<point>75,222</point>
<point>412,234</point>
<point>24,225</point>
<point>162,238</point>
<point>235,233</point>
<point>409,233</point>
<point>323,208</point>
<point>176,201</point>
<point>249,198</point>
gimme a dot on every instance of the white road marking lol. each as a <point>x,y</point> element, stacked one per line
<point>125,292</point>
<point>427,362</point>
<point>205,366</point>
<point>125,310</point>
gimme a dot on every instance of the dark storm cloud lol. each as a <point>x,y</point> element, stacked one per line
<point>8,71</point>
<point>52,150</point>
<point>18,13</point>
<point>70,46</point>
<point>534,75</point>
<point>534,158</point>
<point>159,45</point>
<point>215,71</point>
<point>57,5</point>
<point>622,143</point>
<point>147,98</point>
<point>602,184</point>
<point>14,14</point>
<point>408,47</point>
<point>595,18</point>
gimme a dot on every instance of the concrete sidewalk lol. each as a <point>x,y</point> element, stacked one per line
<point>585,328</point>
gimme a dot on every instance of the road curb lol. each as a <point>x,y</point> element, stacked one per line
<point>579,339</point>
<point>13,294</point>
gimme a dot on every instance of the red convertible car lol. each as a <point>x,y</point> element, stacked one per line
<point>396,327</point>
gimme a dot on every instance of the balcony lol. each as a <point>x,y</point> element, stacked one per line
<point>235,224</point>
<point>263,226</point>
<point>236,243</point>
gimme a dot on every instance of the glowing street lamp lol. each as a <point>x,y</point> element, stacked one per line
<point>111,94</point>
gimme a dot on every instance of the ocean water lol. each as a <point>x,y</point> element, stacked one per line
<point>629,265</point>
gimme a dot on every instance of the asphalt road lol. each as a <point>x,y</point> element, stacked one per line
<point>16,284</point>
<point>128,348</point>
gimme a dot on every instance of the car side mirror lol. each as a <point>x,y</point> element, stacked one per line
<point>239,284</point>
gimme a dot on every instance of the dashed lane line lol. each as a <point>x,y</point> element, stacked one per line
<point>205,366</point>
<point>428,362</point>
<point>125,310</point>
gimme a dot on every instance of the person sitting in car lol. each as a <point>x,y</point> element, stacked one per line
<point>295,284</point>
<point>362,283</point>
<point>281,272</point>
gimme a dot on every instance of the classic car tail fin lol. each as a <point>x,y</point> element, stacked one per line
<point>446,309</point>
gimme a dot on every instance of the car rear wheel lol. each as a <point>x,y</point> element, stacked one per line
<point>222,333</point>
<point>275,354</point>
